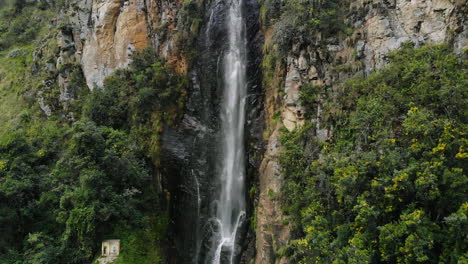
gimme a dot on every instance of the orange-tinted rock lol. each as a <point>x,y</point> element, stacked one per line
<point>117,31</point>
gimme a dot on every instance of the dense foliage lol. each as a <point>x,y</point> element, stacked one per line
<point>67,184</point>
<point>139,100</point>
<point>390,185</point>
<point>20,24</point>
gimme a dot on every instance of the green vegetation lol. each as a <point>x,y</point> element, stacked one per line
<point>144,246</point>
<point>139,100</point>
<point>20,25</point>
<point>302,21</point>
<point>390,185</point>
<point>190,24</point>
<point>310,23</point>
<point>23,30</point>
<point>5,4</point>
<point>66,186</point>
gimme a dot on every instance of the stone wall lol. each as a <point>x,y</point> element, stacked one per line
<point>110,250</point>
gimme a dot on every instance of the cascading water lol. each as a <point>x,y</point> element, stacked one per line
<point>230,210</point>
<point>206,153</point>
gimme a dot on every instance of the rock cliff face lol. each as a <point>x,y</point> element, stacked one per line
<point>118,28</point>
<point>378,27</point>
<point>105,33</point>
<point>100,36</point>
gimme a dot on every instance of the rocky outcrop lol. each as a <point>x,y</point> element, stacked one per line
<point>93,38</point>
<point>272,226</point>
<point>119,28</point>
<point>378,27</point>
<point>388,24</point>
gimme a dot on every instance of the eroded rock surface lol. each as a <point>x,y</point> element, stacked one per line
<point>119,28</point>
<point>272,228</point>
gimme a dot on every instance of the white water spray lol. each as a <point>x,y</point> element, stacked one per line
<point>231,205</point>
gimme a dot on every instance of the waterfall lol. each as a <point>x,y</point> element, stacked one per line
<point>230,210</point>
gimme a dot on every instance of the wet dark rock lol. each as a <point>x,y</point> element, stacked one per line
<point>190,150</point>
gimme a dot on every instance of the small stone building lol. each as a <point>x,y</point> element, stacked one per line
<point>110,250</point>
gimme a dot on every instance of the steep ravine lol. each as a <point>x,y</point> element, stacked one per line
<point>90,40</point>
<point>106,33</point>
